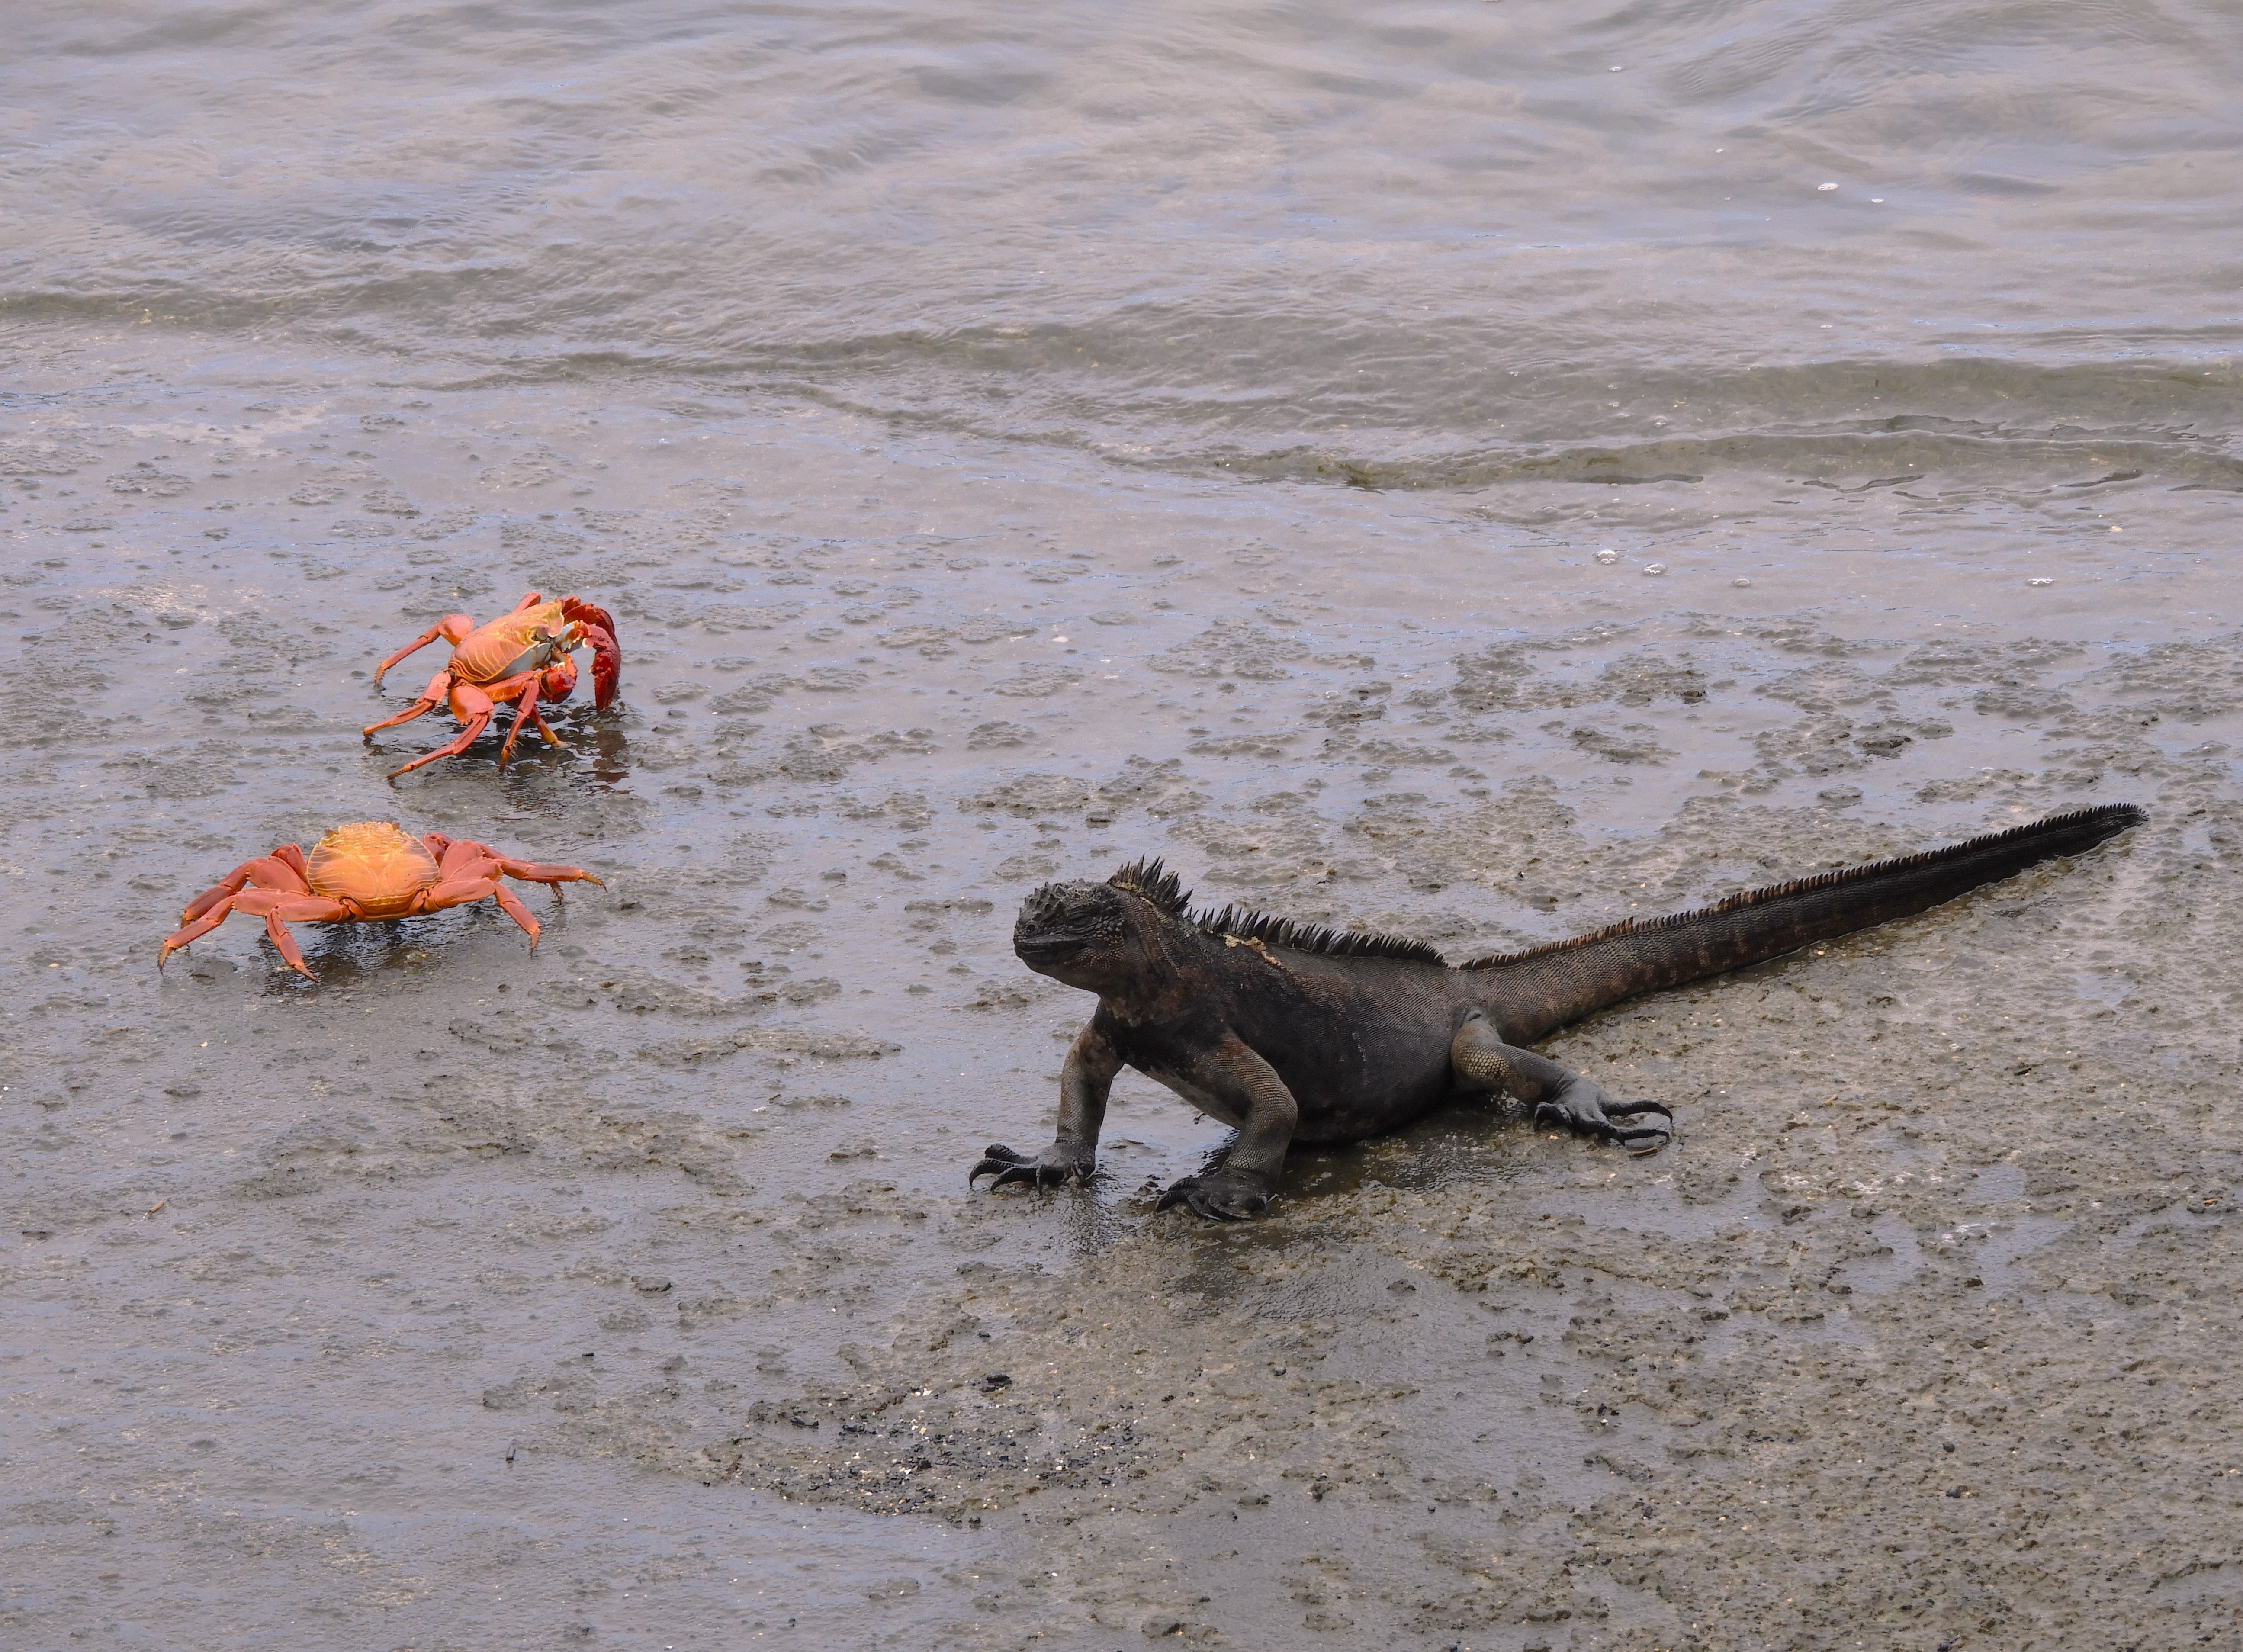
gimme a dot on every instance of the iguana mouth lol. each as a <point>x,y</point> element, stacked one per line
<point>1047,949</point>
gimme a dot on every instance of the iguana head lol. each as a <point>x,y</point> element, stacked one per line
<point>1086,934</point>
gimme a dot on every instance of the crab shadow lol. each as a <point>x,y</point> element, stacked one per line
<point>593,743</point>
<point>345,956</point>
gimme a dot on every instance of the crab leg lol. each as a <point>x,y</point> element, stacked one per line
<point>460,891</point>
<point>470,873</point>
<point>465,858</point>
<point>459,856</point>
<point>268,872</point>
<point>282,872</point>
<point>195,930</point>
<point>473,707</point>
<point>554,683</point>
<point>515,910</point>
<point>287,944</point>
<point>452,628</point>
<point>507,687</point>
<point>455,856</point>
<point>279,907</point>
<point>551,877</point>
<point>525,710</point>
<point>432,697</point>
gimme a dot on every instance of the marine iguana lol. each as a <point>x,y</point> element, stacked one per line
<point>1292,1032</point>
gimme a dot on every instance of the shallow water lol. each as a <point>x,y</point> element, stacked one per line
<point>1013,440</point>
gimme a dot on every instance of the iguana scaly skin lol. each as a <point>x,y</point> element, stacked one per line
<point>1293,1032</point>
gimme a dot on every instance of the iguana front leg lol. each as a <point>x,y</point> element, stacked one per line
<point>1084,1081</point>
<point>1483,1062</point>
<point>1240,1085</point>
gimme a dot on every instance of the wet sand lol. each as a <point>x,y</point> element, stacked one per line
<point>629,1292</point>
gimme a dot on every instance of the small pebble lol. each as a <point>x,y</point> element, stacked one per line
<point>1740,581</point>
<point>1655,568</point>
<point>1608,558</point>
<point>2040,582</point>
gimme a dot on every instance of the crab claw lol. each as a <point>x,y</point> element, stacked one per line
<point>607,665</point>
<point>559,681</point>
<point>599,629</point>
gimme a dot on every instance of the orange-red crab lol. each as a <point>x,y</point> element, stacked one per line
<point>362,873</point>
<point>524,657</point>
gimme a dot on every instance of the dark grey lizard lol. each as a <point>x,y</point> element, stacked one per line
<point>1289,1032</point>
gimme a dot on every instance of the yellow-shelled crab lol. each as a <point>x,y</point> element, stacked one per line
<point>365,873</point>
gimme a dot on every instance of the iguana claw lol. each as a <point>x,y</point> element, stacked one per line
<point>1051,1168</point>
<point>1628,1109</point>
<point>1220,1195</point>
<point>1582,1109</point>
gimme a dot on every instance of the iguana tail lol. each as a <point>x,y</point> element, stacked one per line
<point>1547,986</point>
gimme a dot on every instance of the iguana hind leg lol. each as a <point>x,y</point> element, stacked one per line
<point>1483,1062</point>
